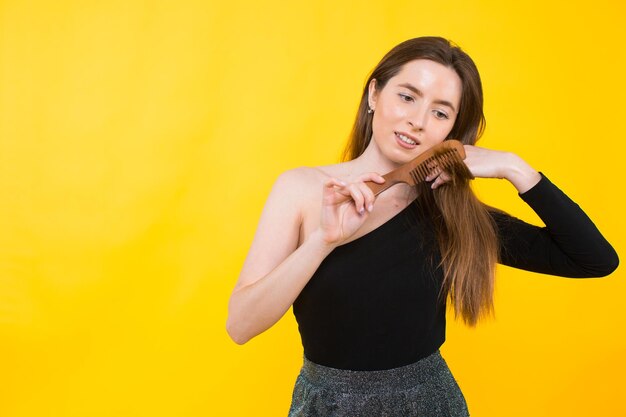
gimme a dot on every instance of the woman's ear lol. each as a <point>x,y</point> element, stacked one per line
<point>372,94</point>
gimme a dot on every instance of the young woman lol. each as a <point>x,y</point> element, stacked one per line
<point>369,277</point>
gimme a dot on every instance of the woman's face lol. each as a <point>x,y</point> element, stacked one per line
<point>415,110</point>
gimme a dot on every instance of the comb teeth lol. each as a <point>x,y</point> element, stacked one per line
<point>444,160</point>
<point>447,155</point>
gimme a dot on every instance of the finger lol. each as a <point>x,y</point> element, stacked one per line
<point>357,196</point>
<point>443,178</point>
<point>368,196</point>
<point>332,182</point>
<point>367,191</point>
<point>372,176</point>
<point>434,171</point>
<point>334,186</point>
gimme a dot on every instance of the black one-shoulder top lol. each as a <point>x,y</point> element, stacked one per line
<point>373,302</point>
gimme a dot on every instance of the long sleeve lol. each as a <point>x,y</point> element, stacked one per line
<point>569,245</point>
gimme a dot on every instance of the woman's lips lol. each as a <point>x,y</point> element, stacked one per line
<point>404,144</point>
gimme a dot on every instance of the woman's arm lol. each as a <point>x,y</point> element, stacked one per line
<point>276,269</point>
<point>255,307</point>
<point>570,244</point>
<point>487,163</point>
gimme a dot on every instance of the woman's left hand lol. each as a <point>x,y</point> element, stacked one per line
<point>487,163</point>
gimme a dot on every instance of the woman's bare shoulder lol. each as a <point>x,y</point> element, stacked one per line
<point>306,179</point>
<point>304,187</point>
<point>297,188</point>
<point>299,180</point>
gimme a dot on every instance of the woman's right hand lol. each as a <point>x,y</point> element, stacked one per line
<point>345,207</point>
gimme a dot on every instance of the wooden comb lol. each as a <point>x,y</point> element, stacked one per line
<point>447,155</point>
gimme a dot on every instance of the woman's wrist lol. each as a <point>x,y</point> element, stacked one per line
<point>520,174</point>
<point>317,241</point>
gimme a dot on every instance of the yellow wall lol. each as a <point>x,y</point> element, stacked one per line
<point>139,140</point>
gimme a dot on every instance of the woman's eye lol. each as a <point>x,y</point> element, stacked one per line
<point>405,97</point>
<point>440,115</point>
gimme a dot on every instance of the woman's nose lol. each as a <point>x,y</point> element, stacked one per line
<point>418,119</point>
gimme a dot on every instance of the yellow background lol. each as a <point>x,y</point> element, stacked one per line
<point>139,140</point>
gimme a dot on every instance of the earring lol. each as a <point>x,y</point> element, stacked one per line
<point>370,110</point>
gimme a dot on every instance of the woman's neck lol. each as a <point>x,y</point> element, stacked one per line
<point>372,160</point>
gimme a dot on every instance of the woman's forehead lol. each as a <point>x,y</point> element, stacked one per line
<point>430,77</point>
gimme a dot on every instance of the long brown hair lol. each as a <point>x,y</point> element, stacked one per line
<point>465,231</point>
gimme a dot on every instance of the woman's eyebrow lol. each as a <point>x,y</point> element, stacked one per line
<point>419,93</point>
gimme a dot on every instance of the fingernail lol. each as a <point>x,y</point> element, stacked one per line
<point>370,207</point>
<point>361,210</point>
<point>342,183</point>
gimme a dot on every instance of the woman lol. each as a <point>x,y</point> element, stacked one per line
<point>369,277</point>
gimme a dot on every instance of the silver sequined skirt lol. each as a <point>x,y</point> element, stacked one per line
<point>424,388</point>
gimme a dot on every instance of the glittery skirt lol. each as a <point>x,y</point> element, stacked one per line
<point>424,388</point>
